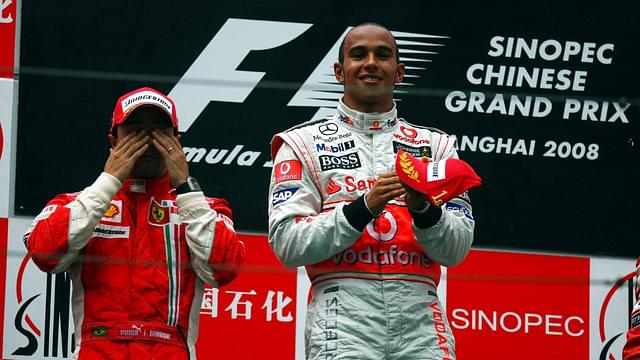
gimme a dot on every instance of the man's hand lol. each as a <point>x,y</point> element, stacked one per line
<point>414,199</point>
<point>124,155</point>
<point>174,159</point>
<point>387,187</point>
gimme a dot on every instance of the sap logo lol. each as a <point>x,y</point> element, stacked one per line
<point>336,148</point>
<point>349,161</point>
<point>462,209</point>
<point>282,195</point>
<point>5,18</point>
<point>212,77</point>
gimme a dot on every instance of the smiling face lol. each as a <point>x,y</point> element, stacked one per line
<point>370,69</point>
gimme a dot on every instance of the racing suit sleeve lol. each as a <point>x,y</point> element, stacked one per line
<point>65,225</point>
<point>446,233</point>
<point>631,350</point>
<point>216,253</point>
<point>300,233</point>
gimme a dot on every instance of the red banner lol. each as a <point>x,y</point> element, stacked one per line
<point>524,305</point>
<point>258,308</point>
<point>7,37</point>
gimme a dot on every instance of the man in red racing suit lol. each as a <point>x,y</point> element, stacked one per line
<point>372,252</point>
<point>631,349</point>
<point>140,242</point>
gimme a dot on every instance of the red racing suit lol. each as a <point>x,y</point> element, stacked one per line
<point>374,280</point>
<point>631,349</point>
<point>138,257</point>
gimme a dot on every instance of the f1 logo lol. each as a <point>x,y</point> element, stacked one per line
<point>217,63</point>
<point>213,76</point>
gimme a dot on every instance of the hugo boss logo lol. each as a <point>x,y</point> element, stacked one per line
<point>349,161</point>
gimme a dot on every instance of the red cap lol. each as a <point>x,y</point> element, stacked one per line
<point>439,180</point>
<point>145,96</point>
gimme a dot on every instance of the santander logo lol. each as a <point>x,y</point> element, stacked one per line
<point>333,187</point>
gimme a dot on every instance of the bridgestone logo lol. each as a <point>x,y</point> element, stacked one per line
<point>330,162</point>
<point>146,97</point>
<point>111,232</point>
<point>436,170</point>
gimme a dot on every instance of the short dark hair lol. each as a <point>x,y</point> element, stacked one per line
<point>341,49</point>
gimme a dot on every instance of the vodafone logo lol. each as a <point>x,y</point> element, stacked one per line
<point>410,133</point>
<point>288,170</point>
<point>285,168</point>
<point>383,228</point>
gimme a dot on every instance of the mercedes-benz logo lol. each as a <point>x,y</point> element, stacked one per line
<point>328,129</point>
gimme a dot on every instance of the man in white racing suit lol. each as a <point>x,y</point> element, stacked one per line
<point>371,248</point>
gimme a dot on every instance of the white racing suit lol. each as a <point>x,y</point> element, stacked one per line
<point>374,280</point>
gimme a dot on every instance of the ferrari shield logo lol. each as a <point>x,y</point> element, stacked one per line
<point>158,214</point>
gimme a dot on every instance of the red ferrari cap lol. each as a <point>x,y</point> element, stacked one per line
<point>145,96</point>
<point>440,180</point>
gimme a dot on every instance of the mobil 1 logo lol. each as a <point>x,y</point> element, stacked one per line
<point>348,161</point>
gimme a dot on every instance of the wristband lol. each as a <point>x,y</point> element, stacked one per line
<point>188,186</point>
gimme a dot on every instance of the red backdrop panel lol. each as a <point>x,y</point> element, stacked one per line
<point>246,319</point>
<point>536,306</point>
<point>7,38</point>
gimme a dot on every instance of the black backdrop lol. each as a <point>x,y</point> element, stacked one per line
<point>76,58</point>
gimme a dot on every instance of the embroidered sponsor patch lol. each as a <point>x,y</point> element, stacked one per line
<point>328,129</point>
<point>111,231</point>
<point>336,148</point>
<point>44,214</point>
<point>99,331</point>
<point>419,151</point>
<point>158,215</point>
<point>145,97</point>
<point>330,162</point>
<point>114,212</point>
<point>457,207</point>
<point>283,195</point>
<point>332,187</point>
<point>436,170</point>
<point>288,170</point>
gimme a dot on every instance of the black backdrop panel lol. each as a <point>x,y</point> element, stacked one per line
<point>552,181</point>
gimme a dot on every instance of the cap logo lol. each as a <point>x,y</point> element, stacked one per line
<point>407,167</point>
<point>145,97</point>
<point>436,170</point>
